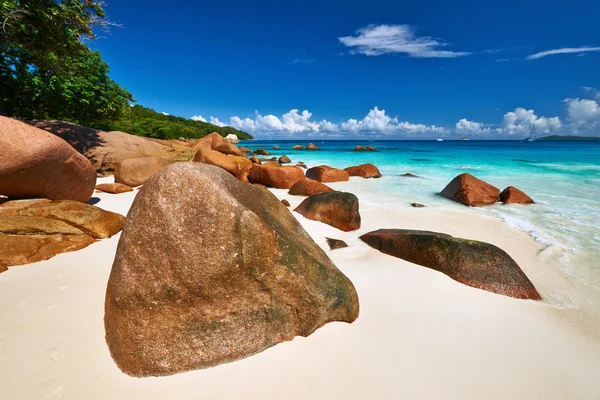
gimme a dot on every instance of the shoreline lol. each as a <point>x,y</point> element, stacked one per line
<point>416,326</point>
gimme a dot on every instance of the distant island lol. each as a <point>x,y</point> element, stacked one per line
<point>566,138</point>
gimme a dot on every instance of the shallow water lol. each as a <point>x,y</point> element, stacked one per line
<point>562,177</point>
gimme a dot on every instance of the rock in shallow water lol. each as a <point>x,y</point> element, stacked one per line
<point>338,209</point>
<point>473,263</point>
<point>512,195</point>
<point>364,171</point>
<point>470,191</point>
<point>274,175</point>
<point>209,270</point>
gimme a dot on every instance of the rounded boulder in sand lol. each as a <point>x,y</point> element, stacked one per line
<point>136,171</point>
<point>477,264</point>
<point>323,173</point>
<point>274,175</point>
<point>35,163</point>
<point>338,209</point>
<point>308,187</point>
<point>211,275</point>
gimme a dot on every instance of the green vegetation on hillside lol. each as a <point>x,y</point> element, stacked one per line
<point>48,72</point>
<point>144,121</point>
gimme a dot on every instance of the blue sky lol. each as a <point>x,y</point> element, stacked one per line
<point>380,69</point>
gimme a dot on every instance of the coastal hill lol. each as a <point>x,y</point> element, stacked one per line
<point>556,138</point>
<point>143,121</point>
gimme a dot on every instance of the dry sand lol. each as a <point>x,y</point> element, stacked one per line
<point>420,335</point>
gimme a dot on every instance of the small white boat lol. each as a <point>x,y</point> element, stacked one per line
<point>440,139</point>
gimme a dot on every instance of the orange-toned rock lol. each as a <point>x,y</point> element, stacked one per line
<point>35,163</point>
<point>473,263</point>
<point>3,268</point>
<point>470,191</point>
<point>298,147</point>
<point>323,173</point>
<point>513,195</point>
<point>35,230</point>
<point>311,146</point>
<point>239,167</point>
<point>276,148</point>
<point>284,160</point>
<point>207,276</point>
<point>364,171</point>
<point>105,150</point>
<point>308,187</point>
<point>216,142</point>
<point>335,244</point>
<point>255,160</point>
<point>338,209</point>
<point>136,171</point>
<point>261,152</point>
<point>274,175</point>
<point>285,202</point>
<point>244,149</point>
<point>114,188</point>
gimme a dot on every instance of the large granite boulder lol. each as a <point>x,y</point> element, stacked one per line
<point>284,160</point>
<point>136,171</point>
<point>311,146</point>
<point>308,187</point>
<point>216,142</point>
<point>470,191</point>
<point>338,209</point>
<point>477,264</point>
<point>35,230</point>
<point>114,188</point>
<point>323,173</point>
<point>298,147</point>
<point>105,150</point>
<point>215,150</point>
<point>214,274</point>
<point>513,195</point>
<point>364,171</point>
<point>262,152</point>
<point>35,163</point>
<point>274,175</point>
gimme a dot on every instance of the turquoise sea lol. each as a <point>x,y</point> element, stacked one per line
<point>562,177</point>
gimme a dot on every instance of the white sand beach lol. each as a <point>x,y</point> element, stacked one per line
<point>420,334</point>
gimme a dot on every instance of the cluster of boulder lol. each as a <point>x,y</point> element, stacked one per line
<point>367,148</point>
<point>45,185</point>
<point>474,192</point>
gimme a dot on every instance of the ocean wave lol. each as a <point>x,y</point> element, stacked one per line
<point>537,233</point>
<point>570,167</point>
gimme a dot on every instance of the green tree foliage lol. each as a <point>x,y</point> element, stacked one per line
<point>46,71</point>
<point>144,121</point>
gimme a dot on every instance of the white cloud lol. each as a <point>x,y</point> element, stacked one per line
<point>164,113</point>
<point>565,50</point>
<point>583,114</point>
<point>470,127</point>
<point>593,92</point>
<point>520,122</point>
<point>375,40</point>
<point>198,118</point>
<point>215,121</point>
<point>245,124</point>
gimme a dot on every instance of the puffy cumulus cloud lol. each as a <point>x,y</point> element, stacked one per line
<point>215,121</point>
<point>471,127</point>
<point>376,122</point>
<point>583,114</point>
<point>375,40</point>
<point>520,122</point>
<point>199,118</point>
